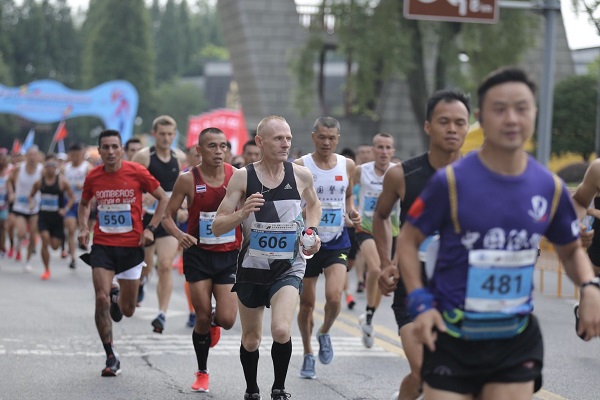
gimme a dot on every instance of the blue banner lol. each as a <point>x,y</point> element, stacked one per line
<point>47,101</point>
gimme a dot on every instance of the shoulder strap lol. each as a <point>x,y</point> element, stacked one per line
<point>556,197</point>
<point>453,196</point>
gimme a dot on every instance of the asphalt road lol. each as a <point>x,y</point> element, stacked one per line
<point>49,347</point>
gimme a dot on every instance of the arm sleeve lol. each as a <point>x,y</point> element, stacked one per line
<point>564,227</point>
<point>431,209</point>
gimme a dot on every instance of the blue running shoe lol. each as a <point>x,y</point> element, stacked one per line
<point>191,320</point>
<point>159,323</point>
<point>308,367</point>
<point>325,349</point>
<point>113,367</point>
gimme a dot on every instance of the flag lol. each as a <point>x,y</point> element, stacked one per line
<point>61,146</point>
<point>61,132</point>
<point>28,142</point>
<point>16,147</point>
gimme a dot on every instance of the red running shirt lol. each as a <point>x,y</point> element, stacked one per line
<point>119,198</point>
<point>201,212</point>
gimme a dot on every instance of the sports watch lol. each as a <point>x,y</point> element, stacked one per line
<point>595,282</point>
<point>151,228</point>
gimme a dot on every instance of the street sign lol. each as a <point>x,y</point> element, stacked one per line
<point>481,11</point>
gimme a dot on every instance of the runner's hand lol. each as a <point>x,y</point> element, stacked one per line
<point>589,313</point>
<point>355,218</point>
<point>147,238</point>
<point>388,279</point>
<point>84,237</point>
<point>252,204</point>
<point>427,326</point>
<point>308,251</point>
<point>186,241</point>
<point>586,236</point>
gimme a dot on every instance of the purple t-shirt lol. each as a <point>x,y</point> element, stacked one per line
<point>502,219</point>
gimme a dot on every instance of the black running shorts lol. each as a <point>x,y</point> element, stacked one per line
<point>200,264</point>
<point>465,366</point>
<point>116,258</point>
<point>52,222</point>
<point>253,295</point>
<point>323,259</point>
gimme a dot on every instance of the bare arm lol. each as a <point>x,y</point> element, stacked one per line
<point>66,188</point>
<point>83,214</point>
<point>10,184</point>
<point>227,217</point>
<point>180,192</point>
<point>579,269</point>
<point>354,216</point>
<point>393,189</point>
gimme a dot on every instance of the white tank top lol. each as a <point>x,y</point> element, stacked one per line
<point>371,185</point>
<point>331,186</point>
<point>23,187</point>
<point>76,176</point>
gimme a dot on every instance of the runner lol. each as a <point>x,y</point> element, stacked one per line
<point>370,175</point>
<point>164,164</point>
<point>26,217</point>
<point>491,209</point>
<point>53,189</point>
<point>332,175</point>
<point>75,172</point>
<point>270,266</point>
<point>446,125</point>
<point>5,168</point>
<point>209,262</point>
<point>117,251</point>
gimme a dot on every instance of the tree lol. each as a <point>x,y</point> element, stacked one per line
<point>590,8</point>
<point>379,44</point>
<point>180,100</point>
<point>168,44</point>
<point>118,46</point>
<point>574,118</point>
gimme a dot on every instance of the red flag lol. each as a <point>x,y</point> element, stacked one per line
<point>16,146</point>
<point>61,132</point>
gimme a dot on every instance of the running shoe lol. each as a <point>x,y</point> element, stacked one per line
<point>28,268</point>
<point>72,263</point>
<point>325,349</point>
<point>361,287</point>
<point>192,321</point>
<point>201,383</point>
<point>115,309</point>
<point>215,330</point>
<point>11,252</point>
<point>350,302</point>
<point>253,396</point>
<point>113,367</point>
<point>63,254</point>
<point>576,312</point>
<point>45,276</point>
<point>159,323</point>
<point>367,331</point>
<point>18,256</point>
<point>280,394</point>
<point>308,367</point>
<point>141,295</point>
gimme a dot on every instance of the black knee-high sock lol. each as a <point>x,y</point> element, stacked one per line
<point>249,361</point>
<point>201,346</point>
<point>281,355</point>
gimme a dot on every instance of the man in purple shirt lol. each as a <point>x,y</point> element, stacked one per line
<point>491,209</point>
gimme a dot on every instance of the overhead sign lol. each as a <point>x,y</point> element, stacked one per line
<point>231,122</point>
<point>46,101</point>
<point>480,11</point>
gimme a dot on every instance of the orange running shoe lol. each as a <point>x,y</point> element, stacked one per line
<point>45,276</point>
<point>201,383</point>
<point>215,335</point>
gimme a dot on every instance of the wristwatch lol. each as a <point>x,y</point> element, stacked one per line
<point>151,228</point>
<point>314,229</point>
<point>595,282</point>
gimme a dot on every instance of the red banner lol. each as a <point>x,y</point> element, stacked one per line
<point>231,122</point>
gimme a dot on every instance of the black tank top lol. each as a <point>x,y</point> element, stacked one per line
<point>52,197</point>
<point>417,172</point>
<point>164,172</point>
